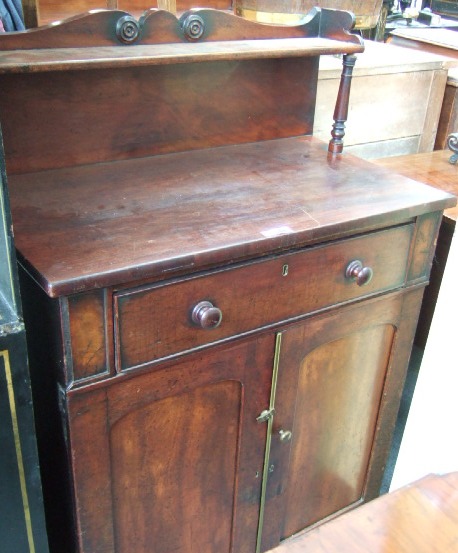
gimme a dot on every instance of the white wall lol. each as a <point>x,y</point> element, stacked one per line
<point>430,441</point>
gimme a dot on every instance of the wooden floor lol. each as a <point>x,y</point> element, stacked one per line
<point>420,518</point>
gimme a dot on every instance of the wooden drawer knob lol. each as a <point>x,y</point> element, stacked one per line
<point>206,315</point>
<point>356,271</point>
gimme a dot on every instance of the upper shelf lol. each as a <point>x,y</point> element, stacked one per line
<point>163,54</point>
<point>112,38</point>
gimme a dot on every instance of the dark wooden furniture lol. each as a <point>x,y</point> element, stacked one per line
<point>283,12</point>
<point>443,42</point>
<point>221,309</point>
<point>432,168</point>
<point>448,121</point>
<point>22,524</point>
<point>419,518</point>
<point>446,8</point>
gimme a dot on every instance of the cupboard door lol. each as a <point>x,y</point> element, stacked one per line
<point>171,460</point>
<point>333,374</point>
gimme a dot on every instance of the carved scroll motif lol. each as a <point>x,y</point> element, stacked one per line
<point>193,26</point>
<point>127,29</point>
<point>114,27</point>
<point>452,143</point>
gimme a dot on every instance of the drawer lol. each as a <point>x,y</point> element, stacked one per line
<point>162,320</point>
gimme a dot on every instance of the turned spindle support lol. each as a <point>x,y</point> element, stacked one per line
<point>341,109</point>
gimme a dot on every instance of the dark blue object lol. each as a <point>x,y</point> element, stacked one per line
<point>11,15</point>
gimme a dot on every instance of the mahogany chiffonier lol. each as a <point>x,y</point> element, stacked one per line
<point>220,306</point>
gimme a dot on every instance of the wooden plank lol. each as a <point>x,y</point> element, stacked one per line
<point>448,120</point>
<point>26,61</point>
<point>385,148</point>
<point>442,42</point>
<point>169,5</point>
<point>433,109</point>
<point>443,38</point>
<point>432,168</point>
<point>420,518</point>
<point>97,116</point>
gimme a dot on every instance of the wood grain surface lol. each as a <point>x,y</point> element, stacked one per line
<point>129,179</point>
<point>175,455</point>
<point>122,113</point>
<point>432,168</point>
<point>161,336</point>
<point>420,518</point>
<point>193,209</point>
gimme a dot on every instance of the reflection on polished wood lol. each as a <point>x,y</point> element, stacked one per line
<point>432,168</point>
<point>420,518</point>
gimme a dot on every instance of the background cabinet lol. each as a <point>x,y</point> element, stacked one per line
<point>384,120</point>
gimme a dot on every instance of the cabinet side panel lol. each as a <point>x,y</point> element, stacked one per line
<point>339,389</point>
<point>427,229</point>
<point>173,466</point>
<point>100,115</point>
<point>48,367</point>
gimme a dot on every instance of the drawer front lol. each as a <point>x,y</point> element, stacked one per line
<point>156,322</point>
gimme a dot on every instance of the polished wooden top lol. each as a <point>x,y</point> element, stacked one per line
<point>135,173</point>
<point>154,217</point>
<point>420,518</point>
<point>432,168</point>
